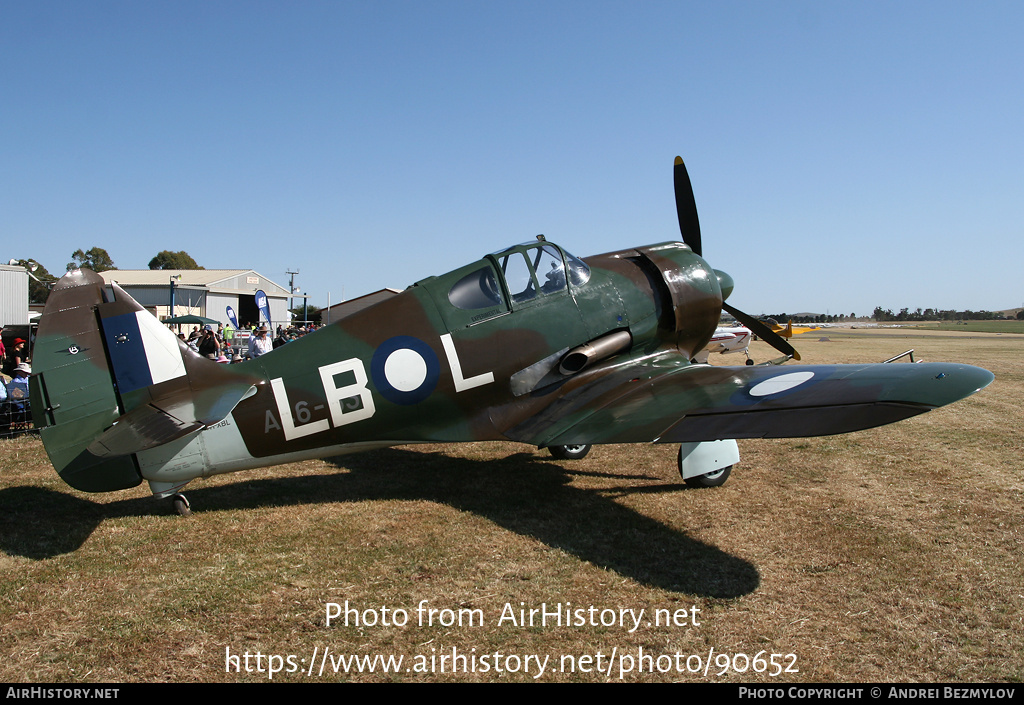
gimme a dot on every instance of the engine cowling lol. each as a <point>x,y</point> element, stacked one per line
<point>692,295</point>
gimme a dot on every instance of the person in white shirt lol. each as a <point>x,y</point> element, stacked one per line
<point>260,344</point>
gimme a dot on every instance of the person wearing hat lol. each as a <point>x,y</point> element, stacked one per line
<point>208,345</point>
<point>17,388</point>
<point>260,344</point>
<point>15,356</point>
<point>17,393</point>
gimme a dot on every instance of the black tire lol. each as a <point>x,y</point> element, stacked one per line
<point>715,478</point>
<point>181,505</point>
<point>570,452</point>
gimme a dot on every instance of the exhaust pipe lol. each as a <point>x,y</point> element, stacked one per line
<point>579,358</point>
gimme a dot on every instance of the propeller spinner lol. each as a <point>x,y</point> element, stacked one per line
<point>689,228</point>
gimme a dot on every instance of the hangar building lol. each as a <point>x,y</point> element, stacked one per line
<point>204,292</point>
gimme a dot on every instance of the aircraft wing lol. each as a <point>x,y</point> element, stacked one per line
<point>661,401</point>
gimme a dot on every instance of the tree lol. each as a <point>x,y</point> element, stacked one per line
<point>173,260</point>
<point>313,312</point>
<point>39,280</point>
<point>95,258</point>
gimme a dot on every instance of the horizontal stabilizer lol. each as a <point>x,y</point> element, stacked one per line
<point>141,429</point>
<point>169,417</point>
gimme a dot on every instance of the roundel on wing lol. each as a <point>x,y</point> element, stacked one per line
<point>780,383</point>
<point>405,370</point>
<point>777,386</point>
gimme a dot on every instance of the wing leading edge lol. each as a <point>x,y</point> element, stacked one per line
<point>658,401</point>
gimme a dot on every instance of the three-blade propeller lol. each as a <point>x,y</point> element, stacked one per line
<point>689,228</point>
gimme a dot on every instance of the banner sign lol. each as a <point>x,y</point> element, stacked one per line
<point>263,305</point>
<point>232,318</point>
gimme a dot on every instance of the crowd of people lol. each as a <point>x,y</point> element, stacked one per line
<point>15,414</point>
<point>225,345</point>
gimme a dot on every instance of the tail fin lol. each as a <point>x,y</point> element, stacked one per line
<point>110,380</point>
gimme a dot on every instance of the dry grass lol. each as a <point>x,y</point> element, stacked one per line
<point>886,555</point>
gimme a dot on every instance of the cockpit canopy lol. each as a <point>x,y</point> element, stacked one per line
<point>528,271</point>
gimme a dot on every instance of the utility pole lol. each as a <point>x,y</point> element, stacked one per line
<point>291,290</point>
<point>174,277</point>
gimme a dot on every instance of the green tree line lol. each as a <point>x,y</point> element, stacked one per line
<point>98,260</point>
<point>930,314</point>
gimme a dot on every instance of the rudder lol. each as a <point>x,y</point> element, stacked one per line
<point>112,381</point>
<point>74,399</point>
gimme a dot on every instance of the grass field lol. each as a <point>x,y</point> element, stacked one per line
<point>893,554</point>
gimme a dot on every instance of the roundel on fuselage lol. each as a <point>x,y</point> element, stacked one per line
<point>405,370</point>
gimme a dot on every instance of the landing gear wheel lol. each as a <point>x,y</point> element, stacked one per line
<point>716,478</point>
<point>749,361</point>
<point>570,452</point>
<point>181,505</point>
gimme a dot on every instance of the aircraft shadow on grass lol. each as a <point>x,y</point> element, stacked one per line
<point>523,493</point>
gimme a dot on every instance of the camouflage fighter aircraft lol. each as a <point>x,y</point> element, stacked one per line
<point>528,344</point>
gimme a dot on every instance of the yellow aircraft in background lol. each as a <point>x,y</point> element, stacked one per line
<point>789,331</point>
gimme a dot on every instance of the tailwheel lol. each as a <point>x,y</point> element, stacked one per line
<point>181,505</point>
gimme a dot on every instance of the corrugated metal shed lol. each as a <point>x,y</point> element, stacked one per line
<point>13,295</point>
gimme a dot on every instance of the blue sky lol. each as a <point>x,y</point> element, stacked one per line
<point>844,155</point>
